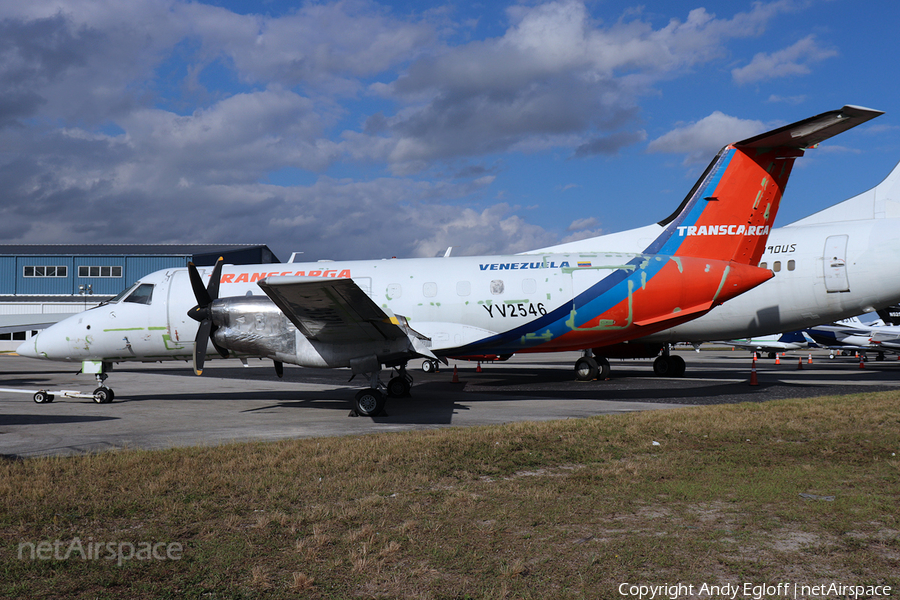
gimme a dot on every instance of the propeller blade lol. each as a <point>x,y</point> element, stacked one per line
<point>200,343</point>
<point>213,289</point>
<point>200,294</point>
<point>202,312</point>
<point>279,368</point>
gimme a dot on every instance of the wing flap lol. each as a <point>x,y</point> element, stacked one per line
<point>331,310</point>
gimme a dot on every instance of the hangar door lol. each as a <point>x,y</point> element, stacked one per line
<point>835,264</point>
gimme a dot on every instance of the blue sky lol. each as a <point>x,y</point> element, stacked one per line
<point>360,129</point>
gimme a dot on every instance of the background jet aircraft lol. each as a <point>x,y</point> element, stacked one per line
<point>852,335</point>
<point>368,314</point>
<point>772,344</point>
<point>832,265</point>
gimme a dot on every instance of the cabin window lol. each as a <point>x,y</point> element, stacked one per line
<point>394,291</point>
<point>791,264</point>
<point>497,287</point>
<point>142,295</point>
<point>429,290</point>
<point>776,266</point>
<point>762,265</point>
<point>529,286</point>
<point>463,288</point>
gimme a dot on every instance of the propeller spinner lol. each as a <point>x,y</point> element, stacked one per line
<point>203,313</point>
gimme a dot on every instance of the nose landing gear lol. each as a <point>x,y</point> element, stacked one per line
<point>103,394</point>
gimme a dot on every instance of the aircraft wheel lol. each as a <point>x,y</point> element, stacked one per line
<point>663,366</point>
<point>586,369</point>
<point>429,366</point>
<point>602,368</point>
<point>678,365</point>
<point>772,355</point>
<point>103,395</point>
<point>42,397</point>
<point>398,387</point>
<point>369,402</point>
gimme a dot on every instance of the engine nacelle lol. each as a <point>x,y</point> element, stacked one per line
<point>253,325</point>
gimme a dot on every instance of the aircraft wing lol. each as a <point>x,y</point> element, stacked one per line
<point>771,343</point>
<point>887,339</point>
<point>13,323</point>
<point>335,311</point>
<point>763,346</point>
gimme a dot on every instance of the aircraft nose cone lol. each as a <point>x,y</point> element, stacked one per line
<point>28,348</point>
<point>51,343</point>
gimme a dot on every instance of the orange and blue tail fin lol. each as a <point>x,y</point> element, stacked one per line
<point>730,210</point>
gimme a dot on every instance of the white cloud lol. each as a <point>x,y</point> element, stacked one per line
<point>702,139</point>
<point>156,120</point>
<point>580,224</point>
<point>787,99</point>
<point>555,77</point>
<point>319,44</point>
<point>793,60</point>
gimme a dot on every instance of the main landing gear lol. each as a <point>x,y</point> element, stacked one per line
<point>669,365</point>
<point>589,367</point>
<point>370,402</point>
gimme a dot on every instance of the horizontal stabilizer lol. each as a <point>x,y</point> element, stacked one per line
<point>812,131</point>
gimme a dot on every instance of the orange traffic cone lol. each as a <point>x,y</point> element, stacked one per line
<point>799,363</point>
<point>809,360</point>
<point>777,360</point>
<point>478,368</point>
<point>862,365</point>
<point>455,375</point>
<point>753,379</point>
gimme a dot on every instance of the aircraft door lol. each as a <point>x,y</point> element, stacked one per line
<point>181,328</point>
<point>835,264</point>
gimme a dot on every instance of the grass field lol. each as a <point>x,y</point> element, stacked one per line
<point>802,491</point>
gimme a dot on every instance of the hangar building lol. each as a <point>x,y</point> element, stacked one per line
<point>40,284</point>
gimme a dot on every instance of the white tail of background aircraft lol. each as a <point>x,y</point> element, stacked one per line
<point>365,315</point>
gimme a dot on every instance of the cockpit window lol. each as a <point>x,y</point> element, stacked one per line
<point>118,297</point>
<point>142,295</point>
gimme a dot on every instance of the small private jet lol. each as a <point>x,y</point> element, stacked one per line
<point>367,315</point>
<point>772,344</point>
<point>853,335</point>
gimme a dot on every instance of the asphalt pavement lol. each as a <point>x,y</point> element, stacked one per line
<point>164,405</point>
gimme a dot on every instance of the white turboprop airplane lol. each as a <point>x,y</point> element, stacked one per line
<point>368,314</point>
